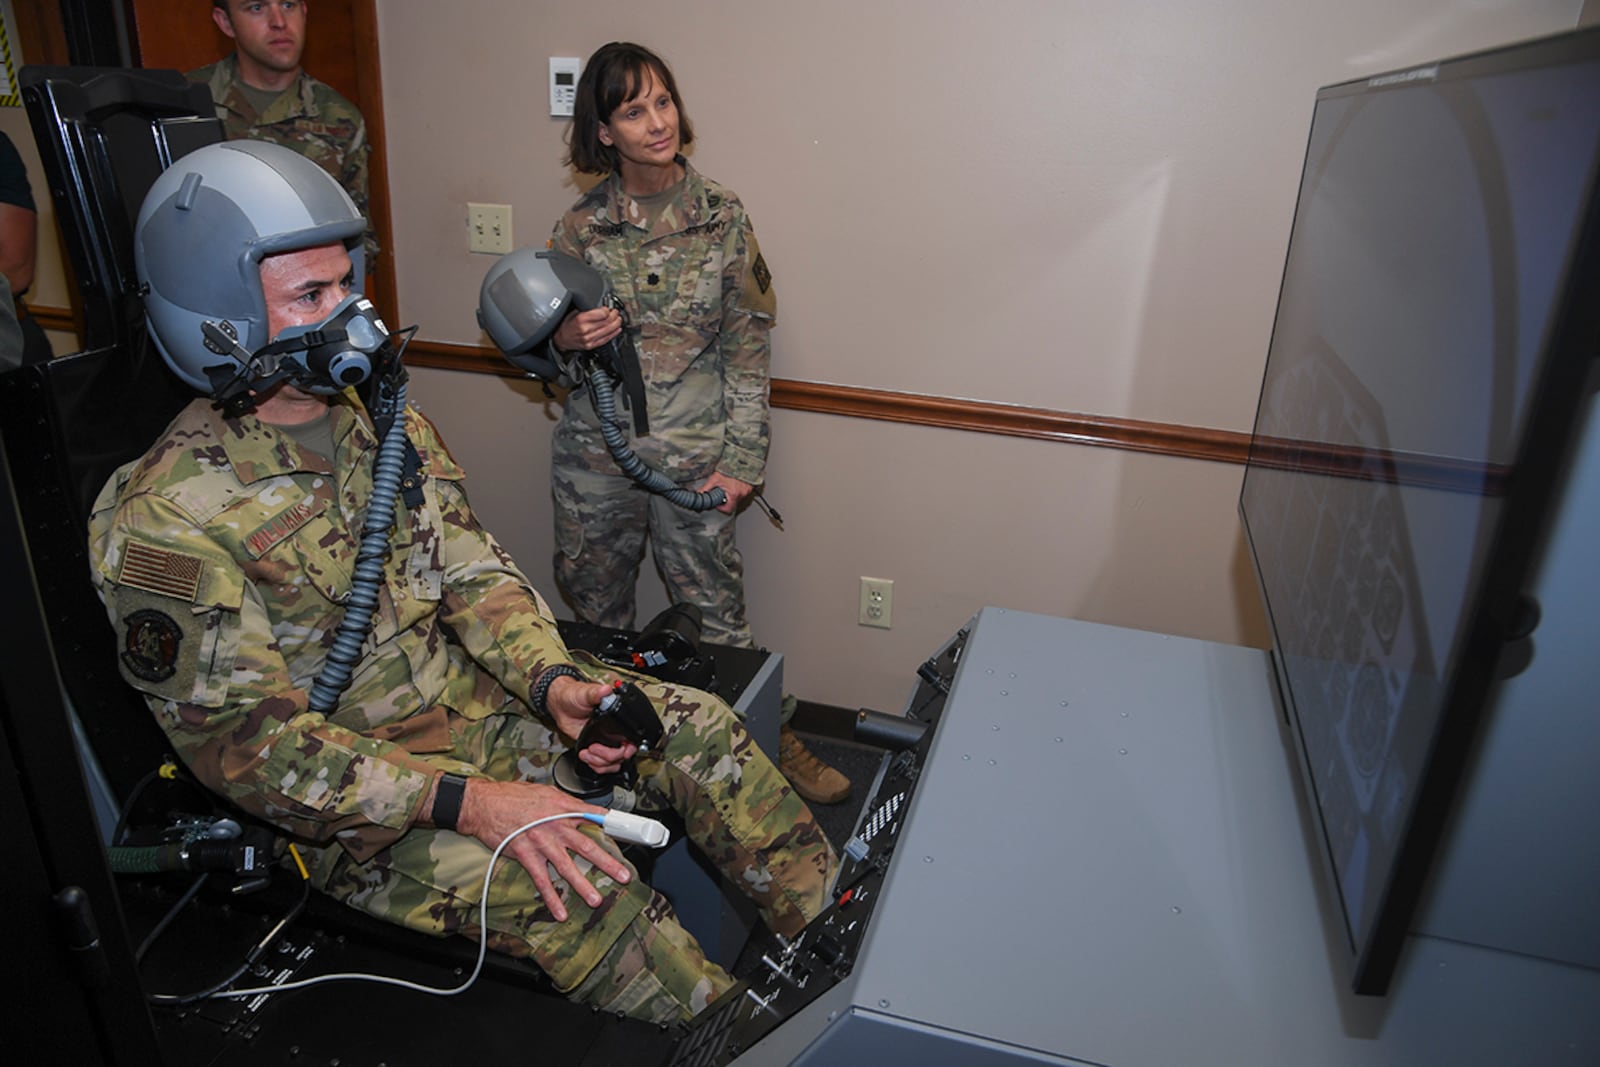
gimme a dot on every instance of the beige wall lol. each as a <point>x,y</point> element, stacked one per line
<point>1075,205</point>
<point>1081,206</point>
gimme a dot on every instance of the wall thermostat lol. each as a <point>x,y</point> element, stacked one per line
<point>563,83</point>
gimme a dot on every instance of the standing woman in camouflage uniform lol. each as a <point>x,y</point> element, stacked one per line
<point>679,251</point>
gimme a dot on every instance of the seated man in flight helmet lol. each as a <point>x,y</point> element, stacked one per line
<point>226,555</point>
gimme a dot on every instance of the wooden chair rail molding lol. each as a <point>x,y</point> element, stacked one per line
<point>1133,435</point>
<point>54,318</point>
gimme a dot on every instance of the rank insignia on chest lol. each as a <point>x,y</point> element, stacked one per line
<point>150,645</point>
<point>160,571</point>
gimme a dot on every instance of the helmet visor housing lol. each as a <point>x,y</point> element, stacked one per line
<point>524,297</point>
<point>206,225</point>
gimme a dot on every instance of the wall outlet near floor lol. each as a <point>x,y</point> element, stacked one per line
<point>877,602</point>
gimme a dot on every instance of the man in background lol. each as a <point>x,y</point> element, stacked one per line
<point>19,238</point>
<point>261,92</point>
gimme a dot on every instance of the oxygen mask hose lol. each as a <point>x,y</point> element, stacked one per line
<point>634,467</point>
<point>387,471</point>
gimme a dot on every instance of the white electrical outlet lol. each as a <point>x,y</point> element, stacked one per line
<point>877,602</point>
<point>489,228</point>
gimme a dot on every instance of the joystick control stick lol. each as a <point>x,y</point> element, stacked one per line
<point>624,715</point>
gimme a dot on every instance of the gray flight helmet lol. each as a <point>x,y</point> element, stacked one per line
<point>524,297</point>
<point>205,226</point>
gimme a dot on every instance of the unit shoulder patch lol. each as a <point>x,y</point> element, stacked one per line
<point>150,645</point>
<point>758,295</point>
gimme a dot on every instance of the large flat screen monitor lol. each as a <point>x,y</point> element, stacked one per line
<point>1435,332</point>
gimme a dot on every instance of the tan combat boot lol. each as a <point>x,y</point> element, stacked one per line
<point>811,778</point>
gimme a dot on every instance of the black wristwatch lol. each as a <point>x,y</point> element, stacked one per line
<point>447,797</point>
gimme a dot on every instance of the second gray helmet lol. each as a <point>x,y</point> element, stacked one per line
<point>524,297</point>
<point>202,232</point>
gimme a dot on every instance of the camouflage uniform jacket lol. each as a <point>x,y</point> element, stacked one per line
<point>700,307</point>
<point>224,555</point>
<point>310,118</point>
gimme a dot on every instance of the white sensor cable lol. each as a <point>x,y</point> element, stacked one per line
<point>620,825</point>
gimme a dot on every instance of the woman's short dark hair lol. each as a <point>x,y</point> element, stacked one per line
<point>612,77</point>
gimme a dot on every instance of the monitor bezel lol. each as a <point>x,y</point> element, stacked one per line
<point>1496,610</point>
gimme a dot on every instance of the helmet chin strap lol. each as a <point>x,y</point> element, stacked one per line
<point>234,393</point>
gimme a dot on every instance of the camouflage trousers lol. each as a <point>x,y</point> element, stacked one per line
<point>600,524</point>
<point>629,954</point>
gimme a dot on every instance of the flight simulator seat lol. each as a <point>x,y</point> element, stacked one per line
<point>78,743</point>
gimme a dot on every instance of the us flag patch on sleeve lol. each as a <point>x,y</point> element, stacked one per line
<point>160,571</point>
